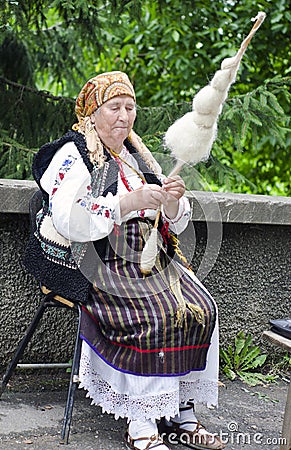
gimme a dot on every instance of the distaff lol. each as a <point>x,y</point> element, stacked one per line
<point>198,129</point>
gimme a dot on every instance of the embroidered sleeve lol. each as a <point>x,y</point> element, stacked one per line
<point>180,222</point>
<point>96,206</point>
<point>76,213</point>
<point>64,168</point>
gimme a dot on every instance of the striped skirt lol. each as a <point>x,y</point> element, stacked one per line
<point>158,325</point>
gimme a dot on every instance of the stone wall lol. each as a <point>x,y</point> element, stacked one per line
<point>239,246</point>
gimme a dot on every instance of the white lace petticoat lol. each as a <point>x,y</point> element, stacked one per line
<point>147,397</point>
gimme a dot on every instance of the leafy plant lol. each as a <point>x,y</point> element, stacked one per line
<point>242,359</point>
<point>280,367</point>
<point>261,396</point>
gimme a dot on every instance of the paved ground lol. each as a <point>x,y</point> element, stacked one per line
<point>31,417</point>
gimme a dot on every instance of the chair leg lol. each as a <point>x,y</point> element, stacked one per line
<point>22,345</point>
<point>286,431</point>
<point>73,383</point>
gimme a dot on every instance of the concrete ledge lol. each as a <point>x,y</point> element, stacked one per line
<point>15,195</point>
<point>206,206</point>
<point>240,208</point>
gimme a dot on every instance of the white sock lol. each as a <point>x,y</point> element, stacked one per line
<point>185,416</point>
<point>146,428</point>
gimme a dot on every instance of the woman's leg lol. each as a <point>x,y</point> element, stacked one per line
<point>186,428</point>
<point>143,435</point>
<point>186,417</point>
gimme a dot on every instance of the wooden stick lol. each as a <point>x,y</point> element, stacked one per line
<point>260,19</point>
<point>177,168</point>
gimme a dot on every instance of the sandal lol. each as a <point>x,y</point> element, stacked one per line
<point>154,441</point>
<point>198,439</point>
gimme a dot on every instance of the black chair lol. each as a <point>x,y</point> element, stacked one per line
<point>50,300</point>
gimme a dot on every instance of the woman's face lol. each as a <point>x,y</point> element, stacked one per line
<point>114,120</point>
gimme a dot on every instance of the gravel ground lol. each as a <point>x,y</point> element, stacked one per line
<point>32,408</point>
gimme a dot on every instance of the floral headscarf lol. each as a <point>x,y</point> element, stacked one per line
<point>94,94</point>
<point>101,88</point>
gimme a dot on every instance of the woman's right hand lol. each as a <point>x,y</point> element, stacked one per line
<point>149,196</point>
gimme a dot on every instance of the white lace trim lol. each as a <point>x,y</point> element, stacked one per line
<point>201,391</point>
<point>141,397</point>
<point>153,403</point>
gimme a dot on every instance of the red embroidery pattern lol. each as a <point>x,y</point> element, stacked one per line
<point>95,208</point>
<point>124,180</point>
<point>65,167</point>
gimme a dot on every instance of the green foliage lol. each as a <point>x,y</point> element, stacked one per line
<point>261,396</point>
<point>28,119</point>
<point>249,124</point>
<point>242,359</point>
<point>16,159</point>
<point>15,60</point>
<point>279,366</point>
<point>170,49</point>
<point>33,117</point>
<point>254,141</point>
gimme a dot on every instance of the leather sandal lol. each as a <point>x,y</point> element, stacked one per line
<point>154,442</point>
<point>196,439</point>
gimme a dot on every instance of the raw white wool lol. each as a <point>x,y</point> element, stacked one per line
<point>149,253</point>
<point>205,120</point>
<point>208,100</point>
<point>222,80</point>
<point>230,63</point>
<point>188,141</point>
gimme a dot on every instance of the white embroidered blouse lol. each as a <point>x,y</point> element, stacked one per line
<point>79,216</point>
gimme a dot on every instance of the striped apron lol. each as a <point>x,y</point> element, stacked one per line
<point>132,322</point>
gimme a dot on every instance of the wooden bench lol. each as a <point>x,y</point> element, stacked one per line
<point>285,344</point>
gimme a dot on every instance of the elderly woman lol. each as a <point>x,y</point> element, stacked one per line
<point>150,343</point>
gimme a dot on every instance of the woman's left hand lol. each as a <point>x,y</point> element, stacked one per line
<point>175,187</point>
